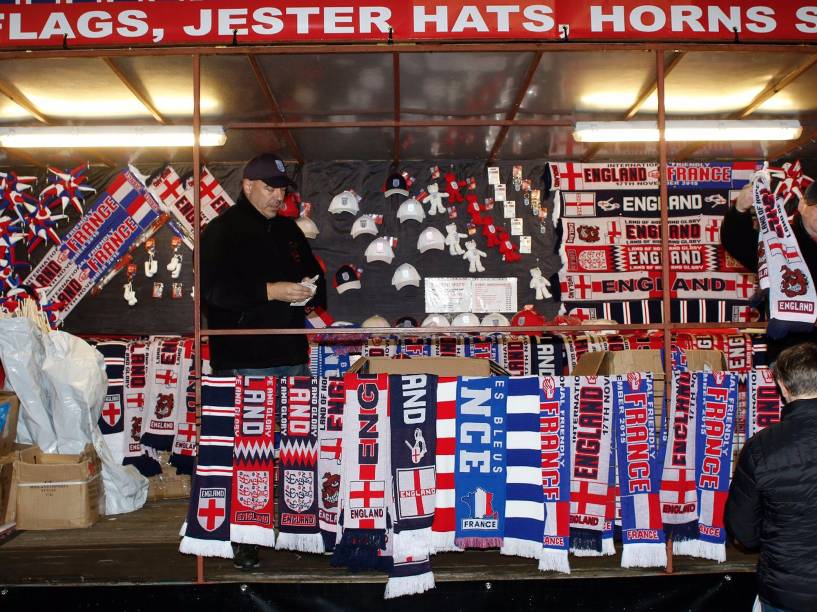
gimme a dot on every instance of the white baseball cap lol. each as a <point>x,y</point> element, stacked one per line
<point>364,225</point>
<point>405,275</point>
<point>308,227</point>
<point>430,238</point>
<point>495,320</point>
<point>345,201</point>
<point>411,210</point>
<point>376,321</point>
<point>466,319</point>
<point>379,249</point>
<point>435,320</point>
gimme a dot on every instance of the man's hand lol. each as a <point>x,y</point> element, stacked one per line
<point>288,292</point>
<point>744,201</point>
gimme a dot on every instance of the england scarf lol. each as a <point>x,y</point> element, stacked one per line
<point>207,529</point>
<point>590,462</point>
<point>763,403</point>
<point>331,399</point>
<point>409,576</point>
<point>641,531</point>
<point>164,374</point>
<point>524,499</point>
<point>480,462</point>
<point>442,528</point>
<point>365,473</point>
<point>298,469</point>
<point>717,396</point>
<point>184,442</point>
<point>413,409</point>
<point>135,395</point>
<point>792,297</point>
<point>679,498</point>
<point>111,420</point>
<point>554,429</point>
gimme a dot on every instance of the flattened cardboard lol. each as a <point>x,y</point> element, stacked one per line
<point>9,412</point>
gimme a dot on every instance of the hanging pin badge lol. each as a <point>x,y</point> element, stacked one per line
<point>175,265</point>
<point>151,265</point>
<point>130,294</point>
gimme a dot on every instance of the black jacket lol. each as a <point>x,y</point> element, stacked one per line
<point>242,251</point>
<point>773,505</point>
<point>739,238</point>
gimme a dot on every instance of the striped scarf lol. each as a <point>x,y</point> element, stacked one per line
<point>135,396</point>
<point>165,392</point>
<point>331,399</point>
<point>763,403</point>
<point>184,442</point>
<point>524,503</point>
<point>641,529</point>
<point>298,400</point>
<point>111,420</point>
<point>442,528</point>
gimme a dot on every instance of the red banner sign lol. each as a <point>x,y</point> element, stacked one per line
<point>207,22</point>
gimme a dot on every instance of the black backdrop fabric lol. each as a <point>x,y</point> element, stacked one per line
<point>319,182</point>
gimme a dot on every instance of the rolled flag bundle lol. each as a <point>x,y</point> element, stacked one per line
<point>642,533</point>
<point>413,409</point>
<point>207,529</point>
<point>298,400</point>
<point>480,462</point>
<point>524,499</point>
<point>554,429</point>
<point>111,419</point>
<point>331,399</point>
<point>763,402</point>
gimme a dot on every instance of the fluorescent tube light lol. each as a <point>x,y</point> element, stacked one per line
<point>120,136</point>
<point>686,131</point>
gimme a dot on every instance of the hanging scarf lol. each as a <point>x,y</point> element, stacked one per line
<point>331,399</point>
<point>641,531</point>
<point>365,472</point>
<point>763,403</point>
<point>716,398</point>
<point>442,528</point>
<point>547,355</point>
<point>298,469</point>
<point>480,461</point>
<point>184,442</point>
<point>679,498</point>
<point>554,427</point>
<point>164,374</point>
<point>590,462</point>
<point>792,296</point>
<point>515,355</point>
<point>135,395</point>
<point>413,411</point>
<point>409,576</point>
<point>207,529</point>
<point>524,499</point>
<point>111,420</point>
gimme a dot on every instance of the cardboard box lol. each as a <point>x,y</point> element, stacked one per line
<point>168,484</point>
<point>58,491</point>
<point>9,413</point>
<point>8,484</point>
<point>441,366</point>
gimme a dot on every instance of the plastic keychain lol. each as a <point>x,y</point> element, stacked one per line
<point>130,294</point>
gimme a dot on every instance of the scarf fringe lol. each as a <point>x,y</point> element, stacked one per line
<point>413,543</point>
<point>521,548</point>
<point>551,560</point>
<point>701,550</point>
<point>183,530</point>
<point>608,547</point>
<point>682,532</point>
<point>644,555</point>
<point>478,542</point>
<point>443,541</point>
<point>409,585</point>
<point>252,534</point>
<point>206,548</point>
<point>303,542</point>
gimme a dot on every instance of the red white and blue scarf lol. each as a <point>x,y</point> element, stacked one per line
<point>331,399</point>
<point>763,403</point>
<point>444,524</point>
<point>111,419</point>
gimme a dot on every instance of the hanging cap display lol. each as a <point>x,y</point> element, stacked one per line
<point>406,322</point>
<point>395,185</point>
<point>379,250</point>
<point>364,225</point>
<point>495,320</point>
<point>435,320</point>
<point>308,227</point>
<point>411,210</point>
<point>345,201</point>
<point>466,319</point>
<point>430,238</point>
<point>347,277</point>
<point>527,317</point>
<point>405,275</point>
<point>376,321</point>
<point>268,168</point>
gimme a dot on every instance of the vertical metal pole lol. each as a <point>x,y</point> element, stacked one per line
<point>196,257</point>
<point>665,268</point>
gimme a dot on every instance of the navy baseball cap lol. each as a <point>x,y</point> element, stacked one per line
<point>268,168</point>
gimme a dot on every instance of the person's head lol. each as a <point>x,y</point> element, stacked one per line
<point>808,209</point>
<point>265,183</point>
<point>796,372</point>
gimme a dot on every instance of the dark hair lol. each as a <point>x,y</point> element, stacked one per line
<point>796,368</point>
<point>810,194</point>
